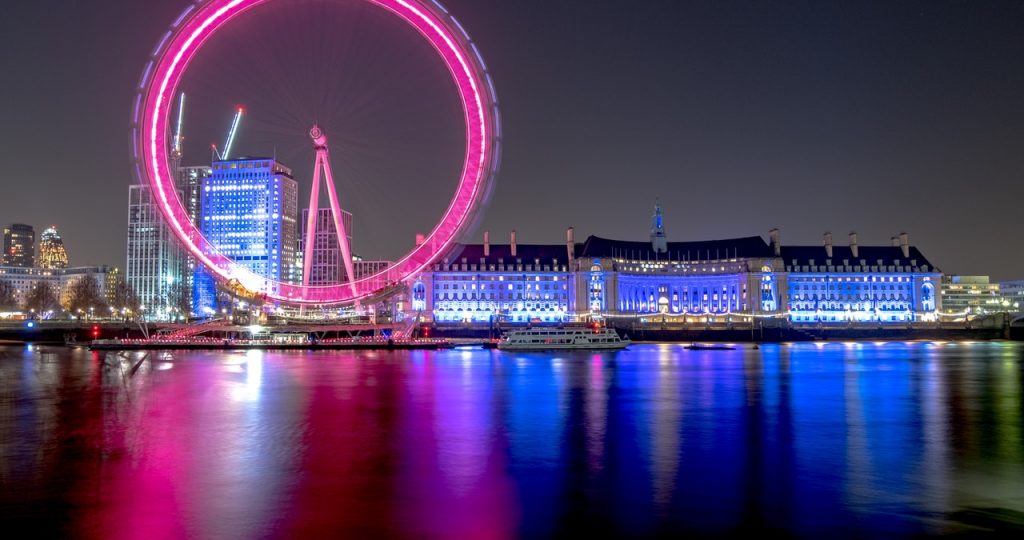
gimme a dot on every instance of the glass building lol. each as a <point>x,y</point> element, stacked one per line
<point>248,212</point>
<point>19,245</point>
<point>328,267</point>
<point>155,266</point>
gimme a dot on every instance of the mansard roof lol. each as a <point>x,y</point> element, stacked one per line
<point>732,248</point>
<point>527,253</point>
<point>870,255</point>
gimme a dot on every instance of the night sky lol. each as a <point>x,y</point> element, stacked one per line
<point>875,117</point>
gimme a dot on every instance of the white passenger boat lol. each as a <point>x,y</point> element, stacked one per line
<point>546,339</point>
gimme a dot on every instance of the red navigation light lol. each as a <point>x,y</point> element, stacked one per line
<point>95,331</point>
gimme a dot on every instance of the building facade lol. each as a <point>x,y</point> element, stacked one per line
<point>967,296</point>
<point>105,276</point>
<point>190,187</point>
<point>52,253</point>
<point>155,264</point>
<point>60,280</point>
<point>1013,295</point>
<point>500,283</point>
<point>328,266</point>
<point>19,245</point>
<point>24,279</point>
<point>248,212</point>
<point>707,282</point>
<point>364,268</point>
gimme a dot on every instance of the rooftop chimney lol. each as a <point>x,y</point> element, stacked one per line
<point>905,244</point>
<point>854,248</point>
<point>828,245</point>
<point>774,236</point>
<point>513,242</point>
<point>487,244</point>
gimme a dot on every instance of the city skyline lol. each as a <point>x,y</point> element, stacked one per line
<point>738,126</point>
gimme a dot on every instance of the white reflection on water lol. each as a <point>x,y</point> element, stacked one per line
<point>848,439</point>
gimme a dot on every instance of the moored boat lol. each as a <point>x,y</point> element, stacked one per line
<point>544,339</point>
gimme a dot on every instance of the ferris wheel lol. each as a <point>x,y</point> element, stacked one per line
<point>152,145</point>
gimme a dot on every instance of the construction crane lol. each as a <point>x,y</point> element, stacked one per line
<point>178,137</point>
<point>225,155</point>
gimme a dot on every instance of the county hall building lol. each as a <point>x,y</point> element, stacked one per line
<point>717,281</point>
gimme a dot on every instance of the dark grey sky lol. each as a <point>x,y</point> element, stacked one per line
<point>878,117</point>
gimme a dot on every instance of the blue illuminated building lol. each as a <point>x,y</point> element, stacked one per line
<point>248,210</point>
<point>716,282</point>
<point>885,284</point>
<point>504,283</point>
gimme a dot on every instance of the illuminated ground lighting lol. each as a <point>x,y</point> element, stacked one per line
<point>152,118</point>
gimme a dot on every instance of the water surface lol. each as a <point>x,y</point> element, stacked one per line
<point>843,439</point>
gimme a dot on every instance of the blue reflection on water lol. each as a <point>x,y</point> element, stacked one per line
<point>844,439</point>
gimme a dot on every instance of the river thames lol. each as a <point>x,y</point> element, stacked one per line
<point>861,439</point>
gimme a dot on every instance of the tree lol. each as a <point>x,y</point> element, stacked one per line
<point>179,298</point>
<point>83,294</point>
<point>124,298</point>
<point>41,298</point>
<point>8,301</point>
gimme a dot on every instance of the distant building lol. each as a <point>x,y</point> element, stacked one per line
<point>1012,293</point>
<point>105,277</point>
<point>364,268</point>
<point>328,267</point>
<point>60,280</point>
<point>23,279</point>
<point>51,250</point>
<point>155,264</point>
<point>970,295</point>
<point>248,211</point>
<point>19,245</point>
<point>190,185</point>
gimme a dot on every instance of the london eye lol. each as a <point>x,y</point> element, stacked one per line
<point>152,145</point>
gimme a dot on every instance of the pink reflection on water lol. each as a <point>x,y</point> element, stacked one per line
<point>454,483</point>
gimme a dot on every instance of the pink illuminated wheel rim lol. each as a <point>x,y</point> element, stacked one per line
<point>151,134</point>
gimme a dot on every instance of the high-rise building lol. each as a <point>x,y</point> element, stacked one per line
<point>328,267</point>
<point>19,245</point>
<point>51,250</point>
<point>190,186</point>
<point>155,263</point>
<point>248,211</point>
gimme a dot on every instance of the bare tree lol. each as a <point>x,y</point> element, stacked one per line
<point>83,294</point>
<point>8,301</point>
<point>124,298</point>
<point>41,298</point>
<point>180,299</point>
